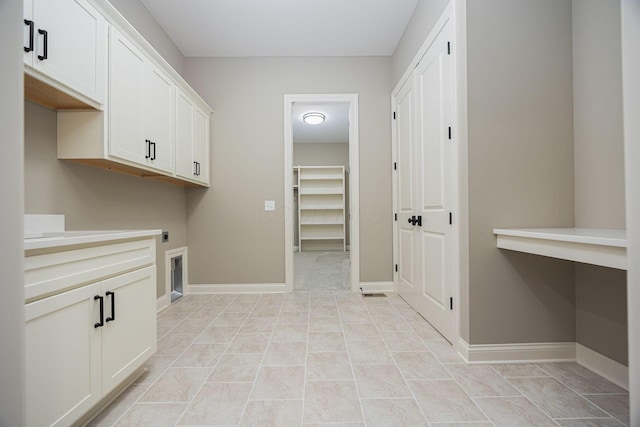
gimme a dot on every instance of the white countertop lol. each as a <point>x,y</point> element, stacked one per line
<point>602,247</point>
<point>594,236</point>
<point>68,238</point>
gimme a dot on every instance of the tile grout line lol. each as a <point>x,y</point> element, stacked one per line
<point>353,374</point>
<point>306,360</point>
<point>165,371</point>
<point>348,306</point>
<point>218,361</point>
<point>264,355</point>
<point>568,387</point>
<point>395,363</point>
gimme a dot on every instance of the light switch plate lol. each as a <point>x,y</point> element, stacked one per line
<point>269,205</point>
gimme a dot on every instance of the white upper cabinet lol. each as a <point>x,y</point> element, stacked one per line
<point>152,123</point>
<point>140,107</point>
<point>192,140</point>
<point>126,99</point>
<point>201,144</point>
<point>159,119</point>
<point>184,136</point>
<point>65,44</point>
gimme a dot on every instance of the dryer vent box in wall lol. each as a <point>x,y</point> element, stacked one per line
<point>165,236</point>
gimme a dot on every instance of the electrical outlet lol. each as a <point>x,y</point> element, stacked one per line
<point>269,205</point>
<point>165,236</point>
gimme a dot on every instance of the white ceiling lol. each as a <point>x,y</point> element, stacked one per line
<point>236,28</point>
<point>335,128</point>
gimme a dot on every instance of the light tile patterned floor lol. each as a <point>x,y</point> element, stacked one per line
<point>336,358</point>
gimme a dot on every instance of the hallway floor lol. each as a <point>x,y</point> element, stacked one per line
<point>322,270</point>
<point>335,358</point>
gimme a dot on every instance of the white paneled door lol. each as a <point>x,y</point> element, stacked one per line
<point>406,235</point>
<point>424,121</point>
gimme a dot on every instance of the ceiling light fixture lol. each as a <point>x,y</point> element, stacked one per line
<point>313,118</point>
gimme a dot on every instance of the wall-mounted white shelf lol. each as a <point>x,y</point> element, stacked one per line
<point>607,248</point>
<point>321,205</point>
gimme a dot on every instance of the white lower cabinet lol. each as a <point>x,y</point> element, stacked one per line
<point>84,342</point>
<point>130,338</point>
<point>62,357</point>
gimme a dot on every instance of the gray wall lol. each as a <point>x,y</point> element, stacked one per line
<point>228,229</point>
<point>601,295</point>
<point>313,154</point>
<point>96,199</point>
<point>631,106</point>
<point>520,151</point>
<point>12,374</point>
<point>138,16</point>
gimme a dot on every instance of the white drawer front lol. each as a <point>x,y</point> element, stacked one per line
<point>50,273</point>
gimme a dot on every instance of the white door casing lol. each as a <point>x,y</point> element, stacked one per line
<point>354,182</point>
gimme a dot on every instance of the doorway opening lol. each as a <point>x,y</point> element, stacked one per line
<point>321,192</point>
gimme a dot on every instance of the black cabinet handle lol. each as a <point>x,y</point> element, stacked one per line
<point>198,168</point>
<point>195,168</point>
<point>113,306</point>
<point>101,322</point>
<point>31,28</point>
<point>419,220</point>
<point>409,220</point>
<point>148,148</point>
<point>154,151</point>
<point>149,155</point>
<point>45,47</point>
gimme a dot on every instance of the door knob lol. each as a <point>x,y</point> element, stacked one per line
<point>415,220</point>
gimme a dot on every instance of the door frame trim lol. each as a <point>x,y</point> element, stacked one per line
<point>456,13</point>
<point>354,182</point>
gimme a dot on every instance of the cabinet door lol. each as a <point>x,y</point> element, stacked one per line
<point>130,338</point>
<point>184,136</point>
<point>126,106</point>
<point>75,43</point>
<point>201,144</point>
<point>159,118</point>
<point>62,357</point>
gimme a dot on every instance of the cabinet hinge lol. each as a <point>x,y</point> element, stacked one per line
<point>395,166</point>
<point>395,216</point>
<point>394,115</point>
<point>451,303</point>
<point>450,218</point>
<point>449,132</point>
<point>396,267</point>
<point>448,48</point>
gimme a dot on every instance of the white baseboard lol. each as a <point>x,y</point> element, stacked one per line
<point>163,302</point>
<point>236,288</point>
<point>376,287</point>
<point>608,368</point>
<point>517,353</point>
